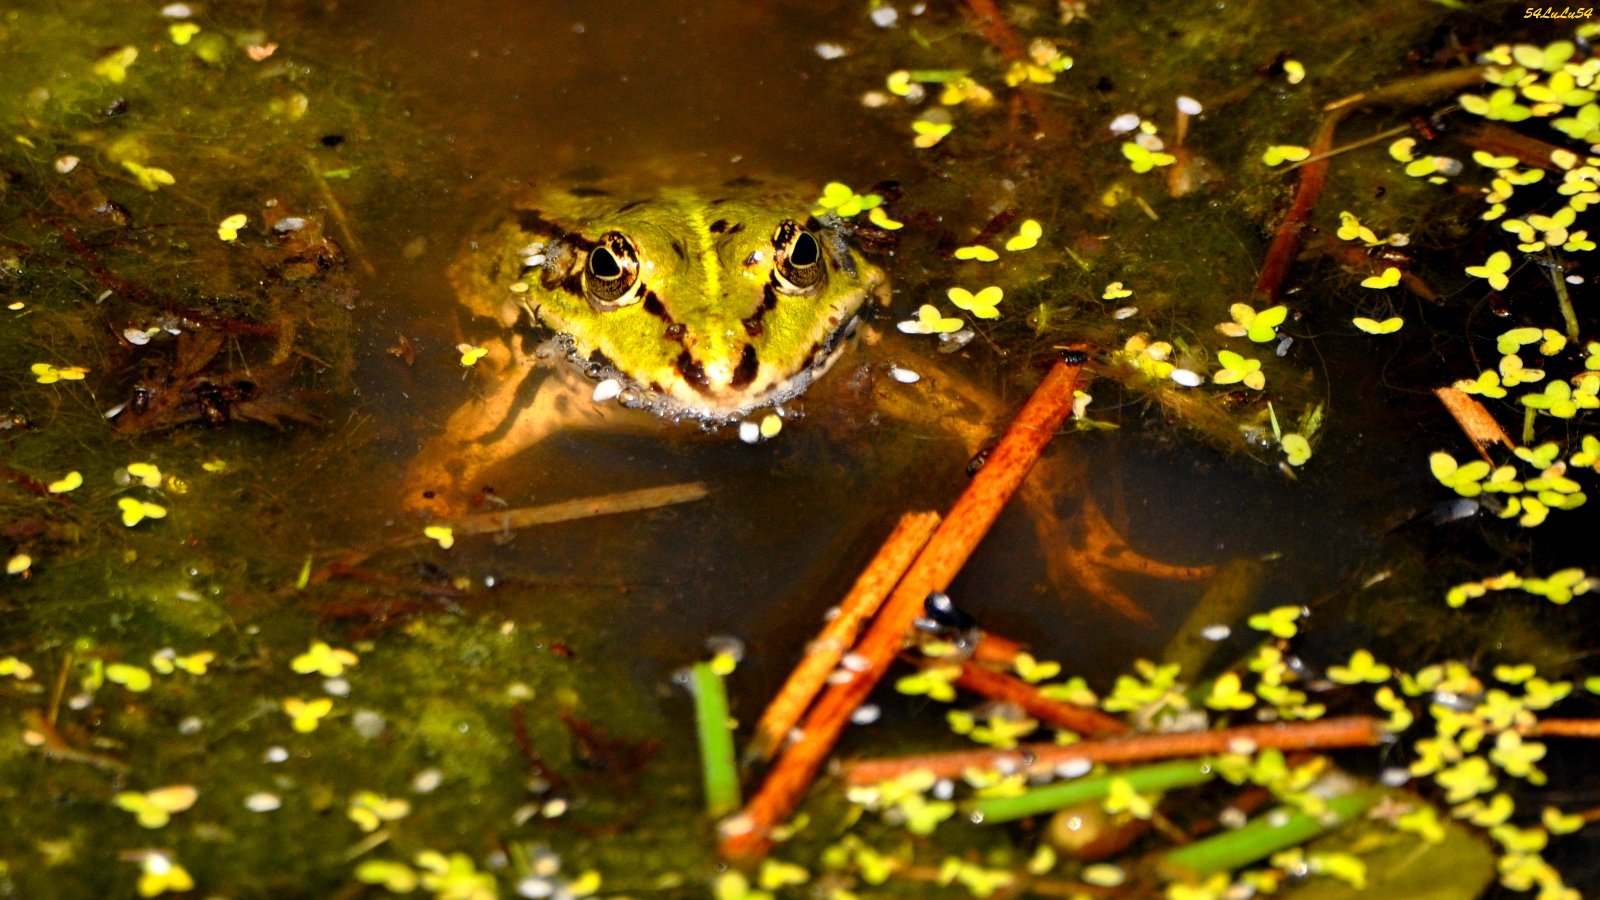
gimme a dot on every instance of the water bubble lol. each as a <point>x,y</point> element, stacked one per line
<point>427,781</point>
<point>1124,123</point>
<point>262,801</point>
<point>368,723</point>
<point>536,888</point>
<point>733,826</point>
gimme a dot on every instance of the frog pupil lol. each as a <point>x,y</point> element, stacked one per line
<point>603,265</point>
<point>805,251</point>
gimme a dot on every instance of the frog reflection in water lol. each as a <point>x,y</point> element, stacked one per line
<point>700,305</point>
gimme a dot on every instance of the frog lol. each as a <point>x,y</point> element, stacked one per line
<point>705,306</point>
<point>682,303</point>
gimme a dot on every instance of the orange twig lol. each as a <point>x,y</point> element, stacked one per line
<point>1008,689</point>
<point>823,653</point>
<point>1573,728</point>
<point>995,651</point>
<point>1351,731</point>
<point>748,835</point>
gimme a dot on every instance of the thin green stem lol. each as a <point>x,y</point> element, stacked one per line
<point>716,740</point>
<point>1144,780</point>
<point>1558,281</point>
<point>1278,829</point>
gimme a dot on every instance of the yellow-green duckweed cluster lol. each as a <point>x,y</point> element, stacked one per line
<point>959,88</point>
<point>1467,734</point>
<point>1529,500</point>
<point>982,303</point>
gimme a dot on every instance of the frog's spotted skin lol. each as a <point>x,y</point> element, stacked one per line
<point>701,303</point>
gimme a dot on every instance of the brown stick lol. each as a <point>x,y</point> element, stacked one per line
<point>546,514</point>
<point>968,521</point>
<point>1351,731</point>
<point>582,508</point>
<point>825,651</point>
<point>1573,728</point>
<point>1286,242</point>
<point>1059,714</point>
<point>1502,141</point>
<point>1314,172</point>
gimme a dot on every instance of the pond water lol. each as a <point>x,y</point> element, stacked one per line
<point>515,692</point>
<point>524,97</point>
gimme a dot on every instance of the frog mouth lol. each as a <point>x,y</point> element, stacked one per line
<point>693,393</point>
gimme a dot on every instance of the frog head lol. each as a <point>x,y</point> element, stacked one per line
<point>705,304</point>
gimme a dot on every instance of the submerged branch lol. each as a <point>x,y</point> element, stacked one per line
<point>505,521</point>
<point>1026,697</point>
<point>1350,731</point>
<point>828,648</point>
<point>1314,172</point>
<point>747,836</point>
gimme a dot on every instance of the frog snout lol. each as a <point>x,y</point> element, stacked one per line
<point>720,373</point>
<point>734,371</point>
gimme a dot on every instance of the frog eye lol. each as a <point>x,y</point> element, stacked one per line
<point>611,276</point>
<point>798,267</point>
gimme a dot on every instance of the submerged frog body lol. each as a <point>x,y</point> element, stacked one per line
<point>699,304</point>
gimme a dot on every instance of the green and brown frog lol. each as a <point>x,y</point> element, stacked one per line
<point>677,303</point>
<point>704,305</point>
